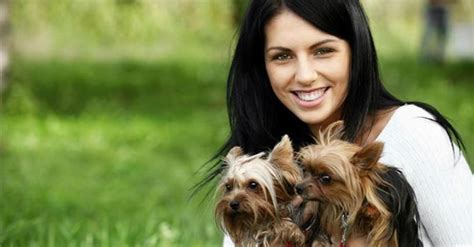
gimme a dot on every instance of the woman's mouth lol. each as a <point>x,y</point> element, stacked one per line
<point>310,98</point>
<point>311,95</point>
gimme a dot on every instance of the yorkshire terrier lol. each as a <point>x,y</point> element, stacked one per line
<point>256,193</point>
<point>359,197</point>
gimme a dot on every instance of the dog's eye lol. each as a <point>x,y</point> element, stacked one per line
<point>253,185</point>
<point>325,179</point>
<point>303,169</point>
<point>228,187</point>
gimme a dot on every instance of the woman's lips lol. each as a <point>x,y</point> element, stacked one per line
<point>309,98</point>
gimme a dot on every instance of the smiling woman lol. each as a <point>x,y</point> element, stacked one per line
<point>300,65</point>
<point>308,69</point>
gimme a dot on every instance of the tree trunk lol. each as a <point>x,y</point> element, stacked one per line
<point>4,44</point>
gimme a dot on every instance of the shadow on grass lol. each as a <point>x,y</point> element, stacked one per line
<point>127,87</point>
<point>160,87</point>
<point>458,73</point>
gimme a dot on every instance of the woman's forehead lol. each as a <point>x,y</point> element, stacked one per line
<point>287,28</point>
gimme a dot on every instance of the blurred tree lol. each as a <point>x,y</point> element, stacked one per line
<point>238,10</point>
<point>4,34</point>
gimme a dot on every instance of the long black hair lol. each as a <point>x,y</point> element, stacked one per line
<point>258,119</point>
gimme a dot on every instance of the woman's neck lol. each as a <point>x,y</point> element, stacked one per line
<point>374,125</point>
<point>315,128</point>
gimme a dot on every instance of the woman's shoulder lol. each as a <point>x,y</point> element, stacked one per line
<point>413,128</point>
<point>412,133</point>
<point>411,112</point>
<point>411,119</point>
<point>421,148</point>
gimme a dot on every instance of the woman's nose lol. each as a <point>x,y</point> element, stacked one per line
<point>306,73</point>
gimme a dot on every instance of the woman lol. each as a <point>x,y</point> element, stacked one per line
<point>300,65</point>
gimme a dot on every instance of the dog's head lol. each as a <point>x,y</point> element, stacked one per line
<point>252,186</point>
<point>337,172</point>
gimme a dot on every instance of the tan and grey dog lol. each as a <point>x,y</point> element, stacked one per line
<point>255,192</point>
<point>359,197</point>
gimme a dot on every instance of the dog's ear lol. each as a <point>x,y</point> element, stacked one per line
<point>282,152</point>
<point>282,157</point>
<point>368,156</point>
<point>234,153</point>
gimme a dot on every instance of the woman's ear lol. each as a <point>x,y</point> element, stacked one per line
<point>368,156</point>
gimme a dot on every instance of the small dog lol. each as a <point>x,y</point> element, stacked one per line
<point>256,194</point>
<point>358,196</point>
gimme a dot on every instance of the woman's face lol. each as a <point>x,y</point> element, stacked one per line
<point>308,69</point>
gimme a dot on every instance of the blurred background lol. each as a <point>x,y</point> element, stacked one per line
<point>109,107</point>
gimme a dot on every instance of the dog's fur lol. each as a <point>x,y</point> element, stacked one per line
<point>346,178</point>
<point>255,197</point>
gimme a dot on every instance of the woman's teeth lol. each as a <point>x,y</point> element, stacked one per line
<point>310,96</point>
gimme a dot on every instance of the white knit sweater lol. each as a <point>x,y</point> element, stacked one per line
<point>442,180</point>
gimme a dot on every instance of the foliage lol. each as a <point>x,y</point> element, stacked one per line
<point>91,28</point>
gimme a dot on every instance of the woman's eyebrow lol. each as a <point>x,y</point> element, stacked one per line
<point>281,48</point>
<point>322,42</point>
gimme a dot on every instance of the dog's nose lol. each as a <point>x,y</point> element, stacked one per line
<point>234,205</point>
<point>299,189</point>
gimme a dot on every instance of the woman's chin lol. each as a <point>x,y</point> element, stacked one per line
<point>311,120</point>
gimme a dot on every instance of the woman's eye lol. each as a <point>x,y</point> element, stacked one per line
<point>253,185</point>
<point>281,57</point>
<point>323,51</point>
<point>325,179</point>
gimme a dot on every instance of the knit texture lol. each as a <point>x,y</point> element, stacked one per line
<point>441,178</point>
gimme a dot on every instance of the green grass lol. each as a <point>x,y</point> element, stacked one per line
<point>104,154</point>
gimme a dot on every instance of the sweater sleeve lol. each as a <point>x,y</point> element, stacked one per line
<point>227,242</point>
<point>442,180</point>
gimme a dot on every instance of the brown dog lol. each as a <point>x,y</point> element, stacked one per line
<point>255,197</point>
<point>359,197</point>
